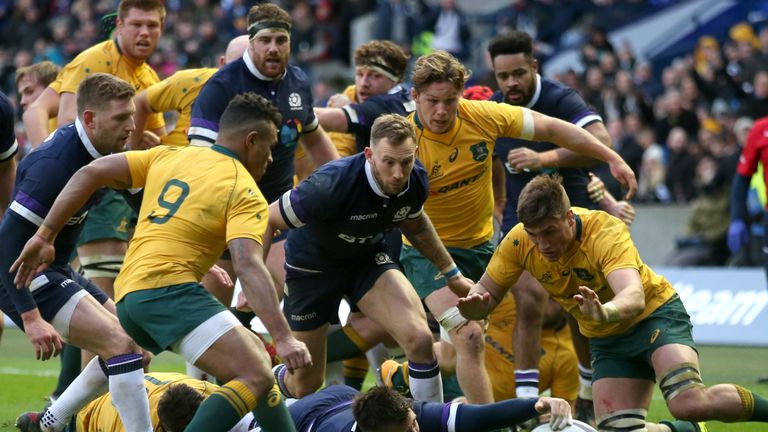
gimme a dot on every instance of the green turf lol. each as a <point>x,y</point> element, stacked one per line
<point>24,382</point>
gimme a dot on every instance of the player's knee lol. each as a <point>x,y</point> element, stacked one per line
<point>469,338</point>
<point>306,386</point>
<point>622,421</point>
<point>114,342</point>
<point>418,345</point>
<point>259,384</point>
<point>531,302</point>
<point>690,404</point>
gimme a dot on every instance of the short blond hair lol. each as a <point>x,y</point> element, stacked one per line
<point>44,72</point>
<point>542,198</point>
<point>439,66</point>
<point>394,127</point>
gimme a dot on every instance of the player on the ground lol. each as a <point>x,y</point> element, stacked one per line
<point>59,305</point>
<point>197,200</point>
<point>456,139</point>
<point>341,214</point>
<point>264,69</point>
<point>638,328</point>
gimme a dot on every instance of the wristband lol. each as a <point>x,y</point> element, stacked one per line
<point>451,271</point>
<point>611,312</point>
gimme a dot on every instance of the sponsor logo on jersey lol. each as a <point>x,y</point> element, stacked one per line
<point>382,258</point>
<point>305,317</point>
<point>454,155</point>
<point>294,101</point>
<point>461,183</point>
<point>479,151</point>
<point>436,171</point>
<point>546,278</point>
<point>363,217</point>
<point>290,132</point>
<point>401,214</point>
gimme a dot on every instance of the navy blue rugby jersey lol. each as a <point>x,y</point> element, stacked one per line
<point>555,100</point>
<point>291,95</point>
<point>8,144</point>
<point>360,116</point>
<point>339,213</point>
<point>40,177</point>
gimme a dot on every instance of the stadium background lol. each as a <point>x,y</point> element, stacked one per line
<point>646,66</point>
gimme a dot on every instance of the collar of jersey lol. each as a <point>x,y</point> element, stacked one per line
<point>396,89</point>
<point>255,71</point>
<point>133,63</point>
<point>536,94</point>
<point>445,138</point>
<point>225,151</point>
<point>578,227</point>
<point>375,185</point>
<point>86,141</point>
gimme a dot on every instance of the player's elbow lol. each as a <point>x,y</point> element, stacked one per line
<point>637,304</point>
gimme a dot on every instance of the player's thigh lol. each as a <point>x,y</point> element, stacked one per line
<point>369,330</point>
<point>96,329</point>
<point>316,342</point>
<point>275,262</point>
<point>251,361</point>
<point>393,304</point>
<point>529,295</point>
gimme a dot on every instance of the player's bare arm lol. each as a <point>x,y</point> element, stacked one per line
<point>109,171</point>
<point>260,293</point>
<point>422,235</point>
<point>67,108</point>
<point>38,114</point>
<point>574,138</point>
<point>628,303</point>
<point>142,139</point>
<point>318,146</point>
<point>566,158</point>
<point>332,119</point>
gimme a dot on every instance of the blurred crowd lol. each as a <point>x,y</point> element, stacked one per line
<point>680,128</point>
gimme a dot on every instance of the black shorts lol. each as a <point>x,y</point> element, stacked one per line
<point>52,289</point>
<point>313,295</point>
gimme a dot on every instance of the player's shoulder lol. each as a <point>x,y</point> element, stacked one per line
<point>297,76</point>
<point>342,170</point>
<point>554,91</point>
<point>5,105</point>
<point>105,51</point>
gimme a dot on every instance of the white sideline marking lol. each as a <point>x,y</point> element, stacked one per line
<point>16,371</point>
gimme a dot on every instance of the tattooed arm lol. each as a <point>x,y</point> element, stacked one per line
<point>423,236</point>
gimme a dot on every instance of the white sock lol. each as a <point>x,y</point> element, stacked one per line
<point>126,385</point>
<point>585,382</point>
<point>91,383</point>
<point>425,382</point>
<point>527,383</point>
<point>376,357</point>
<point>334,373</point>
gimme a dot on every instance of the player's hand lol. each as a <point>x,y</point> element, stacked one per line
<point>44,337</point>
<point>523,158</point>
<point>293,353</point>
<point>590,306</point>
<point>595,188</point>
<point>623,210</point>
<point>338,100</point>
<point>460,285</point>
<point>558,409</point>
<point>738,235</point>
<point>148,140</point>
<point>475,306</point>
<point>624,174</point>
<point>34,258</point>
<point>221,275</point>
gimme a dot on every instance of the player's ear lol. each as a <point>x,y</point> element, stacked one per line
<point>368,153</point>
<point>88,116</point>
<point>414,93</point>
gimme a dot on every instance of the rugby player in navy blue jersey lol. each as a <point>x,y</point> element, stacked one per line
<point>379,71</point>
<point>516,73</point>
<point>337,248</point>
<point>341,408</point>
<point>8,149</point>
<point>264,70</point>
<point>60,305</point>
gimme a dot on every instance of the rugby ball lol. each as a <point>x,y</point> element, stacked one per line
<point>577,426</point>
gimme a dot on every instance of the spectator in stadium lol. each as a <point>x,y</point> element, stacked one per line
<point>264,69</point>
<point>337,248</point>
<point>159,297</point>
<point>341,408</point>
<point>681,165</point>
<point>621,305</point>
<point>456,149</point>
<point>60,305</point>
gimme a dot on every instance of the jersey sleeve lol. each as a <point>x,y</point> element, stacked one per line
<point>572,108</point>
<point>37,190</point>
<point>139,162</point>
<point>248,212</point>
<point>507,261</point>
<point>360,116</point>
<point>207,110</point>
<point>750,155</point>
<point>308,202</point>
<point>88,62</point>
<point>8,144</point>
<point>508,121</point>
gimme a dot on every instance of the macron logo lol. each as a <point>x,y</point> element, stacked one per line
<point>363,217</point>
